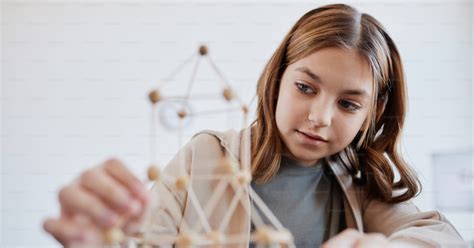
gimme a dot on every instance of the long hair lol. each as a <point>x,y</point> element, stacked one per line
<point>374,154</point>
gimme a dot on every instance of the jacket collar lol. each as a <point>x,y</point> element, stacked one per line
<point>345,181</point>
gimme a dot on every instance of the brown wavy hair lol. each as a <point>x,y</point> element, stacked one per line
<point>374,154</point>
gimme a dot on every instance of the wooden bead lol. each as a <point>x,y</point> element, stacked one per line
<point>230,166</point>
<point>203,50</point>
<point>245,109</point>
<point>153,173</point>
<point>154,96</point>
<point>181,183</point>
<point>244,177</point>
<point>114,236</point>
<point>284,236</point>
<point>266,235</point>
<point>215,237</point>
<point>228,94</point>
<point>184,240</point>
<point>182,114</point>
<point>263,236</point>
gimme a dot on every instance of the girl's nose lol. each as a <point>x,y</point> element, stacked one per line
<point>320,115</point>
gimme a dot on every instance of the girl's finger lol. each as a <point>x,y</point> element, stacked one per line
<point>120,172</point>
<point>62,231</point>
<point>134,224</point>
<point>76,200</point>
<point>345,239</point>
<point>70,233</point>
<point>110,191</point>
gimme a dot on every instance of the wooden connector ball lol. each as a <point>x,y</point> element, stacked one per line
<point>153,173</point>
<point>182,114</point>
<point>184,240</point>
<point>230,166</point>
<point>266,235</point>
<point>154,96</point>
<point>114,236</point>
<point>244,177</point>
<point>215,237</point>
<point>245,109</point>
<point>263,235</point>
<point>228,94</point>
<point>181,183</point>
<point>203,50</point>
<point>285,236</point>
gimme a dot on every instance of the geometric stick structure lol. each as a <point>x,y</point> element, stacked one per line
<point>233,176</point>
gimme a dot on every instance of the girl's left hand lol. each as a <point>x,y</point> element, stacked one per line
<point>350,238</point>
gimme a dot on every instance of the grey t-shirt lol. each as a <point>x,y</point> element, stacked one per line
<point>306,200</point>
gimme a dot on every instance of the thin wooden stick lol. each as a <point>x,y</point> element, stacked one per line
<point>200,212</point>
<point>244,123</point>
<point>215,197</point>
<point>236,239</point>
<point>224,80</point>
<point>153,138</point>
<point>255,215</point>
<point>169,200</point>
<point>242,200</point>
<point>177,69</point>
<point>160,240</point>
<point>195,97</point>
<point>247,149</point>
<point>181,155</point>
<point>265,209</point>
<point>211,177</point>
<point>191,80</point>
<point>231,209</point>
<point>217,111</point>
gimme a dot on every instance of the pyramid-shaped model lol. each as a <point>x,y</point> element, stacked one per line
<point>206,223</point>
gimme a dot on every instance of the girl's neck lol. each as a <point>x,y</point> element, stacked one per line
<point>286,153</point>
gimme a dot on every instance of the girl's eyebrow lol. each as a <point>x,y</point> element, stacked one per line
<point>317,79</point>
<point>308,72</point>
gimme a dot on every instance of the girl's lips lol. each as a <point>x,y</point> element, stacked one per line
<point>312,136</point>
<point>305,139</point>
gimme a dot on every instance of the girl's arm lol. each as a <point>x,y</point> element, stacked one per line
<point>406,226</point>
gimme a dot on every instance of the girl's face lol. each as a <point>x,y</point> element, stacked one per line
<point>325,94</point>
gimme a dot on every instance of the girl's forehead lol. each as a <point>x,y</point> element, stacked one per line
<point>336,67</point>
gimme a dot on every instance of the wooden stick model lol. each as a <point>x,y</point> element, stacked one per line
<point>234,175</point>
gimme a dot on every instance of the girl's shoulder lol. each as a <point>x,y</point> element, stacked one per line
<point>224,137</point>
<point>204,151</point>
<point>229,140</point>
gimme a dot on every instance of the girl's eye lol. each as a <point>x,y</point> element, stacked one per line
<point>304,88</point>
<point>349,106</point>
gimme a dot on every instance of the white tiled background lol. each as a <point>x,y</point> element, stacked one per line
<point>75,77</point>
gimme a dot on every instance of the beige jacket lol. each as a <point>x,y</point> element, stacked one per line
<point>402,223</point>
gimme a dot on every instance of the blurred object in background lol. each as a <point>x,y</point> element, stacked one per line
<point>454,181</point>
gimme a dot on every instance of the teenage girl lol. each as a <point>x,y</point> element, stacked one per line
<point>325,150</point>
